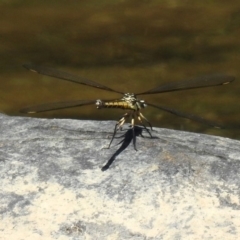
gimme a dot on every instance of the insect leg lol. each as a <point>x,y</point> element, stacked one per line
<point>140,117</point>
<point>133,130</point>
<point>118,125</point>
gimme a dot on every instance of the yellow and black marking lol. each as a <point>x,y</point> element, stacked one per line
<point>114,104</point>
<point>129,101</point>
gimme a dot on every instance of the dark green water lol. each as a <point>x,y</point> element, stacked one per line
<point>131,46</point>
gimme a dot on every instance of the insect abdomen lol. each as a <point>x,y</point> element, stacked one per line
<point>114,104</point>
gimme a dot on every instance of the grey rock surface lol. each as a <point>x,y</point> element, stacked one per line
<point>179,185</point>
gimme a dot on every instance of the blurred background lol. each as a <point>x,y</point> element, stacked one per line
<point>128,45</point>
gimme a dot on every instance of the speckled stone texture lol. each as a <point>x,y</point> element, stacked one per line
<point>178,185</point>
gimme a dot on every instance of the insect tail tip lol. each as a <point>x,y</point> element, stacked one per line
<point>26,111</point>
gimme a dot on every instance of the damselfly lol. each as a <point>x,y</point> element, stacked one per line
<point>129,101</point>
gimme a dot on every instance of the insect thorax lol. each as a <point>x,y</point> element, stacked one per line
<point>128,101</point>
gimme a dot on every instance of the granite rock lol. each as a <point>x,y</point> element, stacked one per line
<point>178,185</point>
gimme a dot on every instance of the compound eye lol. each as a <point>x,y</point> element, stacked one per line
<point>143,104</point>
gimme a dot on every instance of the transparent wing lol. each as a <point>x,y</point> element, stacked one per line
<point>200,82</point>
<point>187,115</point>
<point>67,76</point>
<point>56,105</point>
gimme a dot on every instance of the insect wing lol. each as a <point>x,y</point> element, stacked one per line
<point>187,115</point>
<point>67,76</point>
<point>200,82</point>
<point>56,105</point>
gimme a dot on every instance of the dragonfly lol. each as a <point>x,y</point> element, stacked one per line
<point>128,101</point>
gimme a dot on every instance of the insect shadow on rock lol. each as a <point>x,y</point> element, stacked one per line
<point>129,101</point>
<point>127,138</point>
